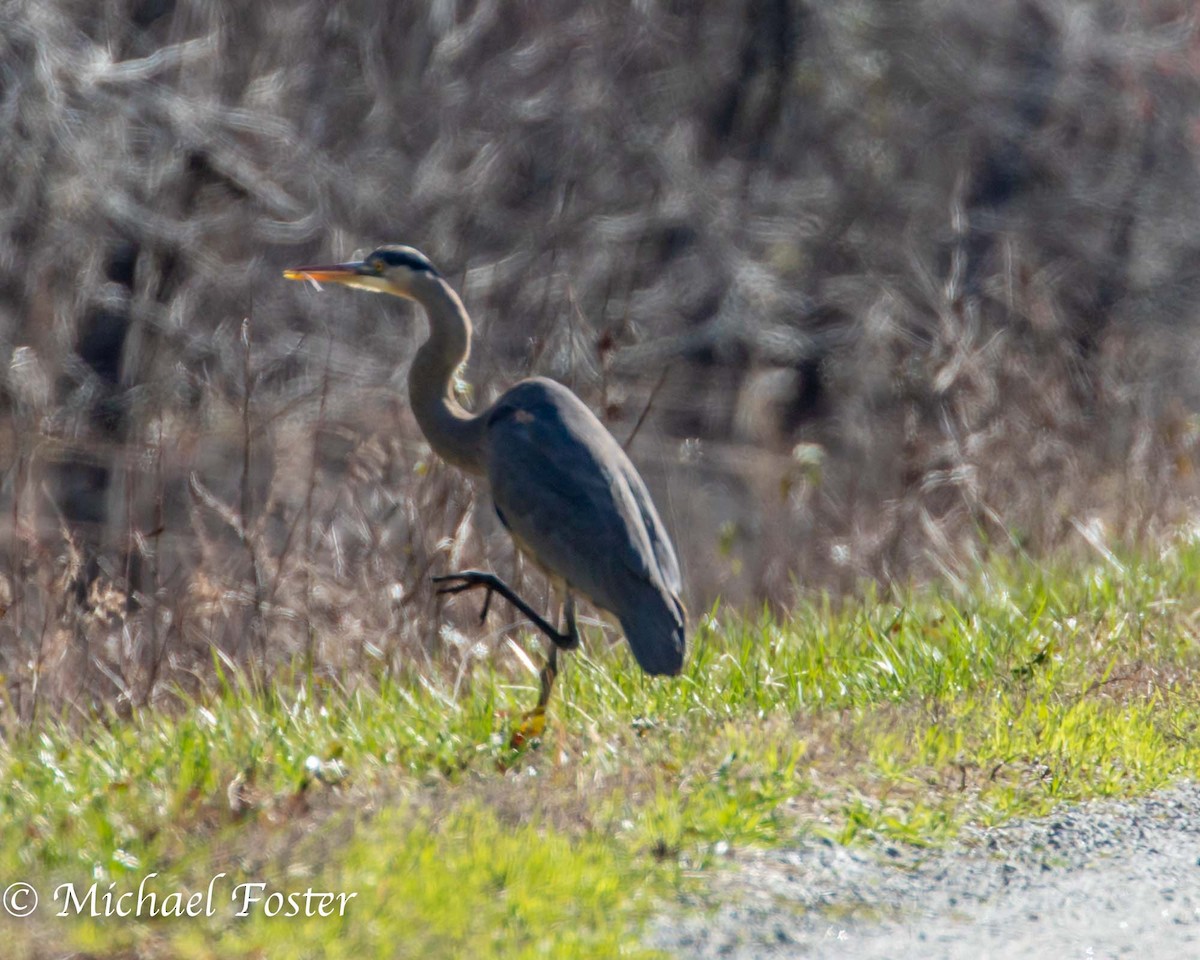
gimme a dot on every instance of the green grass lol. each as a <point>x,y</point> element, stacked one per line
<point>899,717</point>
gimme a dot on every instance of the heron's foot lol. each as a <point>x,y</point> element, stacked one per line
<point>531,727</point>
<point>479,580</point>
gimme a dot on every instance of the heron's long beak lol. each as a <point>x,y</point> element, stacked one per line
<point>356,274</point>
<point>328,273</point>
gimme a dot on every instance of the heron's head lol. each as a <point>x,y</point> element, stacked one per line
<point>390,269</point>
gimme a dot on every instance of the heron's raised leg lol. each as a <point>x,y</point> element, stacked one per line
<point>478,580</point>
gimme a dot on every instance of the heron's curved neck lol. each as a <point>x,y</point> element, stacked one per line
<point>455,435</point>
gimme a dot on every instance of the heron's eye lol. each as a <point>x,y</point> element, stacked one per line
<point>377,266</point>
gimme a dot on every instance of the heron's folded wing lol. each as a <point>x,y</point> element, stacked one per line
<point>570,495</point>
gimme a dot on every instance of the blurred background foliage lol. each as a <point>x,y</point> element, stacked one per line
<point>876,288</point>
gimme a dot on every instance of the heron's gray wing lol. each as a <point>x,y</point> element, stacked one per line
<point>571,498</point>
<point>561,484</point>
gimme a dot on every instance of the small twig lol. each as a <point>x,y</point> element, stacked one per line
<point>202,495</point>
<point>16,545</point>
<point>305,516</point>
<point>257,627</point>
<point>247,390</point>
<point>662,378</point>
<point>158,643</point>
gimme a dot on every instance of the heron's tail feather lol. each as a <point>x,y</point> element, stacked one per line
<point>655,631</point>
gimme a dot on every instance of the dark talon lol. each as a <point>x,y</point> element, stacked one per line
<point>469,581</point>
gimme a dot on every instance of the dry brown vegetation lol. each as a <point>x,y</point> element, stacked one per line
<point>905,284</point>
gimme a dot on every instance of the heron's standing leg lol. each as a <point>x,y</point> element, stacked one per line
<point>550,670</point>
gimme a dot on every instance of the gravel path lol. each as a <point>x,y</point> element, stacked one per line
<point>1105,879</point>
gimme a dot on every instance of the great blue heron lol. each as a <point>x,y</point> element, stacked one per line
<point>561,484</point>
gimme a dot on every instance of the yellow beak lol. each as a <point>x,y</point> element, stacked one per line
<point>327,273</point>
<point>354,274</point>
